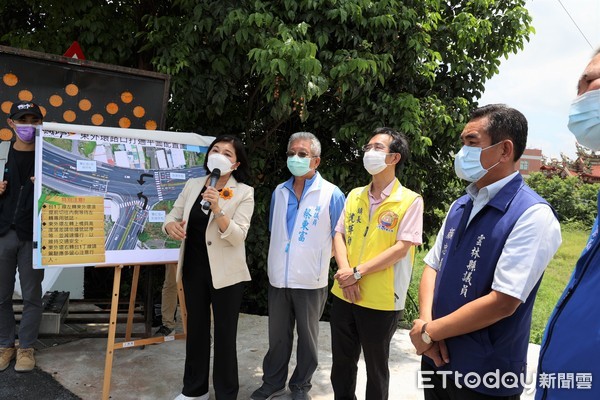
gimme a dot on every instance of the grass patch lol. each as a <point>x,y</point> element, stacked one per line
<point>555,279</point>
<point>553,283</point>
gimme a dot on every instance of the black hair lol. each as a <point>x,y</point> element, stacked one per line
<point>242,173</point>
<point>504,123</point>
<point>398,145</point>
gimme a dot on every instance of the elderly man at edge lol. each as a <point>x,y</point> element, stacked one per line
<point>304,210</point>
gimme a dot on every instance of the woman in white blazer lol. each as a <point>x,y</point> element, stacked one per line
<point>212,266</point>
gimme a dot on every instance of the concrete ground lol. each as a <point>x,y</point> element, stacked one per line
<point>156,372</point>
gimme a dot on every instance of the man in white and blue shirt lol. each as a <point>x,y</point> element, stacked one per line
<point>303,214</point>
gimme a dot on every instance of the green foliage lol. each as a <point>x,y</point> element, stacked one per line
<point>87,148</point>
<point>106,32</point>
<point>143,237</point>
<point>264,69</point>
<point>555,279</point>
<point>573,200</point>
<point>61,143</point>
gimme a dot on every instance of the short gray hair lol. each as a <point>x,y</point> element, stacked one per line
<point>315,145</point>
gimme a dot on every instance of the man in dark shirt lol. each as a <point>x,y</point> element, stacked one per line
<point>16,239</point>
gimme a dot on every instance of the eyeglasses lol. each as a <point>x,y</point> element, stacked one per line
<point>301,154</point>
<point>374,146</point>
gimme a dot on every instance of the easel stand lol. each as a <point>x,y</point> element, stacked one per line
<point>128,343</point>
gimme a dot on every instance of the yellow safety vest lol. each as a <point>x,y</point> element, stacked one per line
<point>366,238</point>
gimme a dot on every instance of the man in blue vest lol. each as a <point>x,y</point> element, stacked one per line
<point>304,211</point>
<point>477,290</point>
<point>567,366</point>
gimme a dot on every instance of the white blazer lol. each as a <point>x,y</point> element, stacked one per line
<point>226,250</point>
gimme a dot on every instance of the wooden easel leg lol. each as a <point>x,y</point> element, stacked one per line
<point>112,330</point>
<point>132,297</point>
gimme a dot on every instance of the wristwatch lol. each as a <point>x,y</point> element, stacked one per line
<point>357,274</point>
<point>220,214</point>
<point>425,336</point>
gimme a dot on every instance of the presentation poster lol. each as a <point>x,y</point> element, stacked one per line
<point>102,194</point>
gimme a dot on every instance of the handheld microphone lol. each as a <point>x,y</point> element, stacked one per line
<point>214,178</point>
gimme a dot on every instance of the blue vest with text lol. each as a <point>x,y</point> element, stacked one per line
<point>568,367</point>
<point>468,262</point>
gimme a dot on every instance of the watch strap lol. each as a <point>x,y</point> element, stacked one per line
<point>424,332</point>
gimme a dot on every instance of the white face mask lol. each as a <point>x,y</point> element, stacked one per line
<point>218,160</point>
<point>374,161</point>
<point>467,163</point>
<point>584,119</point>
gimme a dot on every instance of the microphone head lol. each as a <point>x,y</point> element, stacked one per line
<point>216,172</point>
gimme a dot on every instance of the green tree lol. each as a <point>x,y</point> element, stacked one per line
<point>265,69</point>
<point>573,200</point>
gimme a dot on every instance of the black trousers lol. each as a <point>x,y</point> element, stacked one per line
<point>352,328</point>
<point>449,391</point>
<point>199,296</point>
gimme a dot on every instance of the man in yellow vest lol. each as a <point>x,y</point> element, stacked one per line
<point>374,250</point>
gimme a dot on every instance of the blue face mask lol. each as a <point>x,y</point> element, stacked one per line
<point>584,119</point>
<point>467,163</point>
<point>299,166</point>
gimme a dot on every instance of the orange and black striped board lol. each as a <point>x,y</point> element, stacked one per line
<point>81,92</point>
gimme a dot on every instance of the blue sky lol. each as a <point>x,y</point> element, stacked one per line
<point>540,80</point>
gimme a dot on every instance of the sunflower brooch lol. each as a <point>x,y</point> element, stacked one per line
<point>226,193</point>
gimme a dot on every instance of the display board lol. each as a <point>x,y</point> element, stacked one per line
<point>82,92</point>
<point>103,193</point>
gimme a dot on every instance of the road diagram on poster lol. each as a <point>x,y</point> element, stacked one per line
<point>103,193</point>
